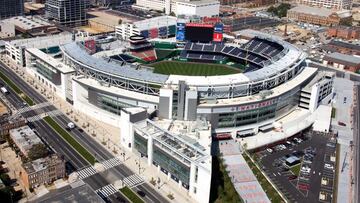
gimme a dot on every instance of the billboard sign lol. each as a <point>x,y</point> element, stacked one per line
<point>180,31</point>
<point>219,28</point>
<point>218,37</point>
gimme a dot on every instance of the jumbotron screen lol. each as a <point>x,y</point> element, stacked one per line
<point>199,32</point>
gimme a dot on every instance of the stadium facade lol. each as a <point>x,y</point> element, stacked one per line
<point>170,119</point>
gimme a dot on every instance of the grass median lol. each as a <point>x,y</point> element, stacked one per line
<point>133,197</point>
<point>69,139</point>
<point>16,89</point>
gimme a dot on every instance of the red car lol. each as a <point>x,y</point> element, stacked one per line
<point>341,123</point>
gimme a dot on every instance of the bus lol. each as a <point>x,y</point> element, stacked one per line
<point>4,90</point>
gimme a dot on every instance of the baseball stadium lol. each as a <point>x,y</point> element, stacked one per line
<point>171,96</point>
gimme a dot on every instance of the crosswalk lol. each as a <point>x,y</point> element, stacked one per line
<point>41,116</point>
<point>111,163</point>
<point>86,172</point>
<point>30,108</point>
<point>107,190</point>
<point>133,180</point>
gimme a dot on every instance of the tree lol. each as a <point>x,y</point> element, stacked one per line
<point>38,151</point>
<point>6,194</point>
<point>5,178</point>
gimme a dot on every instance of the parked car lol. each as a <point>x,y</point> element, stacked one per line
<point>292,177</point>
<point>329,166</point>
<point>269,150</point>
<point>341,123</point>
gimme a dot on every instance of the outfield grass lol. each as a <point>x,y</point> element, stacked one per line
<point>131,195</point>
<point>192,69</point>
<point>16,89</point>
<point>79,148</point>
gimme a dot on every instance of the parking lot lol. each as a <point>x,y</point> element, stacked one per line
<point>303,168</point>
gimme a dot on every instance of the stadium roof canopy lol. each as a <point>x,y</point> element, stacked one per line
<point>109,67</point>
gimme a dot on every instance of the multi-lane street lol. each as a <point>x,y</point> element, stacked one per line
<point>96,181</point>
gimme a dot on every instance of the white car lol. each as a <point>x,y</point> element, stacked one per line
<point>269,150</point>
<point>71,125</point>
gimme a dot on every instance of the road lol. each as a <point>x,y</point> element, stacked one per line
<point>356,124</point>
<point>83,138</point>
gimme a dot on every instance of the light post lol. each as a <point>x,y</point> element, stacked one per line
<point>137,162</point>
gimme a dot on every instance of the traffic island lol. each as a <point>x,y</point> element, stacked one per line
<point>133,197</point>
<point>69,139</point>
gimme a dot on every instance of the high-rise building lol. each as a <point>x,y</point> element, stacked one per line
<point>67,12</point>
<point>9,8</point>
<point>330,4</point>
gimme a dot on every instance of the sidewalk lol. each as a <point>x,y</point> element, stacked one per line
<point>344,88</point>
<point>109,137</point>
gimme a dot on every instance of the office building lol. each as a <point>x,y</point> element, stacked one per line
<point>67,12</point>
<point>9,8</point>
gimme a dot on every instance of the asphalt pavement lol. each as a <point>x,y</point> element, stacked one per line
<point>60,146</point>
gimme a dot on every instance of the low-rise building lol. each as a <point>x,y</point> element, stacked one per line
<point>342,47</point>
<point>43,171</point>
<point>202,8</point>
<point>32,25</point>
<point>162,27</point>
<point>7,30</point>
<point>342,61</point>
<point>318,16</point>
<point>24,138</point>
<point>342,32</point>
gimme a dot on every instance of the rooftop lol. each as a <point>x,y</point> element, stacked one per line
<point>42,42</point>
<point>160,21</point>
<point>183,147</point>
<point>24,137</point>
<point>343,58</point>
<point>42,163</point>
<point>312,10</point>
<point>344,44</point>
<point>50,60</point>
<point>28,22</point>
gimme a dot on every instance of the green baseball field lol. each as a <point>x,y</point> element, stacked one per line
<point>192,69</point>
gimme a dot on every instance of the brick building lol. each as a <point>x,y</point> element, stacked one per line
<point>342,61</point>
<point>342,47</point>
<point>43,171</point>
<point>346,33</point>
<point>318,16</point>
